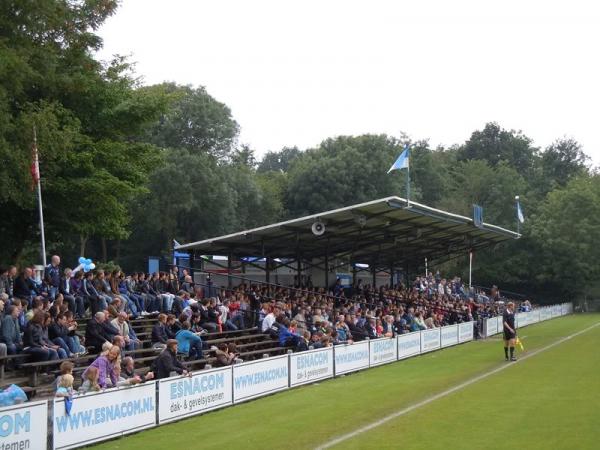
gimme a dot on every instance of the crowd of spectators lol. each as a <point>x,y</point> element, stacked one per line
<point>40,318</point>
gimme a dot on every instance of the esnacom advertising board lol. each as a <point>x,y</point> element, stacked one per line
<point>256,378</point>
<point>180,397</point>
<point>313,365</point>
<point>409,344</point>
<point>465,332</point>
<point>349,358</point>
<point>449,335</point>
<point>382,351</point>
<point>24,426</point>
<point>430,340</point>
<point>104,415</point>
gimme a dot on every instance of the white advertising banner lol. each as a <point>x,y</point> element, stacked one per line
<point>491,326</point>
<point>520,320</point>
<point>24,426</point>
<point>256,378</point>
<point>430,340</point>
<point>465,332</point>
<point>184,396</point>
<point>449,335</point>
<point>104,415</point>
<point>409,344</point>
<point>313,365</point>
<point>349,358</point>
<point>500,324</point>
<point>382,351</point>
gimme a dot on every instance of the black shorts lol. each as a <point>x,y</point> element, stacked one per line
<point>508,335</point>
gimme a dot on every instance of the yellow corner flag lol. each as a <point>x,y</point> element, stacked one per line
<point>520,344</point>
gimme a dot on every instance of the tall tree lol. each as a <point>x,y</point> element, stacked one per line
<point>279,161</point>
<point>343,171</point>
<point>196,122</point>
<point>494,145</point>
<point>86,113</point>
<point>568,231</point>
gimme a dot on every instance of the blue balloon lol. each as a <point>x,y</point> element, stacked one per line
<point>81,260</point>
<point>88,262</point>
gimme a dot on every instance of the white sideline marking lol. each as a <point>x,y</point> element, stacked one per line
<point>458,387</point>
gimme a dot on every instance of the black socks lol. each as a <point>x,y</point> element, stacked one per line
<point>506,352</point>
<point>512,352</point>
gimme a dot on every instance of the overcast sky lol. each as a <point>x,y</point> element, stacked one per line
<point>295,73</point>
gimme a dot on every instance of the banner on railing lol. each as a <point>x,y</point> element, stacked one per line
<point>313,365</point>
<point>430,340</point>
<point>257,378</point>
<point>465,332</point>
<point>24,426</point>
<point>382,351</point>
<point>491,326</point>
<point>104,415</point>
<point>185,396</point>
<point>449,335</point>
<point>409,344</point>
<point>349,358</point>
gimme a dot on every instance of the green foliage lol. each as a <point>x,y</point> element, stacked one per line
<point>568,230</point>
<point>86,114</point>
<point>494,188</point>
<point>280,161</point>
<point>195,121</point>
<point>496,145</point>
<point>344,171</point>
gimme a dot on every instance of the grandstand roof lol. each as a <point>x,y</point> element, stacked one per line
<point>383,232</point>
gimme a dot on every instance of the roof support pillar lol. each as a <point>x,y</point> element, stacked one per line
<point>268,269</point>
<point>229,270</point>
<point>374,275</point>
<point>327,269</point>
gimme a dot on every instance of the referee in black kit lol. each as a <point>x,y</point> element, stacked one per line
<point>510,333</point>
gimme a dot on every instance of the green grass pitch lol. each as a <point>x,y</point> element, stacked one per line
<point>548,401</point>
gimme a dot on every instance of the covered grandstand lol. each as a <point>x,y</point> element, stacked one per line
<point>386,236</point>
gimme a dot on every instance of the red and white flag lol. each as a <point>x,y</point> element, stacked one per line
<point>35,166</point>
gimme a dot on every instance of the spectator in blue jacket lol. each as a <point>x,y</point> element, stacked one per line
<point>52,273</point>
<point>286,337</point>
<point>189,343</point>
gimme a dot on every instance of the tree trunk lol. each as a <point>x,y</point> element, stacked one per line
<point>118,251</point>
<point>104,251</point>
<point>82,242</point>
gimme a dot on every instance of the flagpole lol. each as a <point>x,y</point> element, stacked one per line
<point>470,267</point>
<point>408,182</point>
<point>39,193</point>
<point>518,221</point>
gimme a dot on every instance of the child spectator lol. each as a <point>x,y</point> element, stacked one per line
<point>65,387</point>
<point>66,368</point>
<point>90,380</point>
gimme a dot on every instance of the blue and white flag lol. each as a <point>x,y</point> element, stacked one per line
<point>402,161</point>
<point>520,212</point>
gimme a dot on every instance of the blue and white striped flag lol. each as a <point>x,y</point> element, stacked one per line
<point>520,212</point>
<point>402,161</point>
